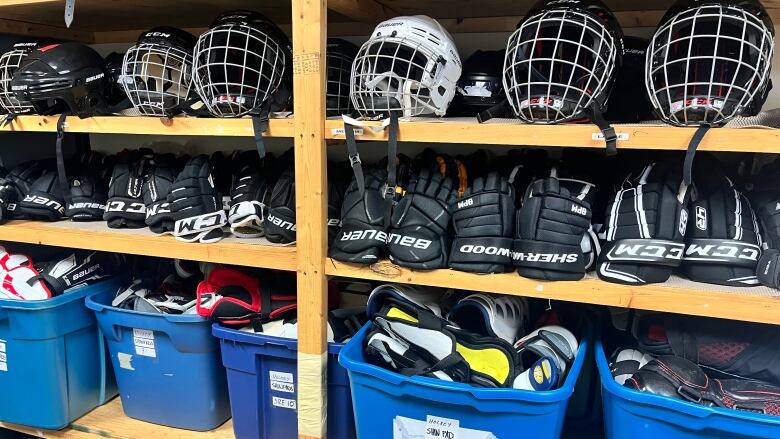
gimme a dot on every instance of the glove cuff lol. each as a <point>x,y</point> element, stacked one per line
<point>768,271</point>
<point>246,219</point>
<point>203,228</point>
<point>644,252</point>
<point>359,243</point>
<point>280,229</point>
<point>158,217</point>
<point>489,254</point>
<point>85,209</point>
<point>721,252</point>
<point>548,261</point>
<point>418,247</point>
<point>123,211</point>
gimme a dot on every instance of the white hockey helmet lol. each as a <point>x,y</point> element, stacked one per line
<point>408,65</point>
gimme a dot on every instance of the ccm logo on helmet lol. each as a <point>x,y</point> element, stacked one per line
<point>37,199</point>
<point>280,222</point>
<point>408,241</point>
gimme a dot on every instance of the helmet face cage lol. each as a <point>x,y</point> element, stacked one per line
<point>559,63</point>
<point>708,65</point>
<point>156,77</point>
<point>410,72</point>
<point>236,69</point>
<point>9,62</point>
<point>337,97</point>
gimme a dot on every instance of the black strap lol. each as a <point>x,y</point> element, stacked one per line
<point>392,168</point>
<point>354,159</point>
<point>8,119</point>
<point>62,176</point>
<point>260,125</point>
<point>498,110</point>
<point>610,135</point>
<point>698,136</point>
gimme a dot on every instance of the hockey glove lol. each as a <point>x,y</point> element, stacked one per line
<point>362,238</point>
<point>723,243</point>
<point>125,207</point>
<point>280,222</point>
<point>645,226</point>
<point>44,200</point>
<point>419,229</point>
<point>196,206</point>
<point>78,268</point>
<point>14,186</point>
<point>88,199</point>
<point>157,186</point>
<point>551,228</point>
<point>484,223</point>
<point>249,197</point>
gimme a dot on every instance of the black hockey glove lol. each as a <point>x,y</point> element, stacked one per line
<point>722,244</point>
<point>551,228</point>
<point>280,222</point>
<point>362,238</point>
<point>158,183</point>
<point>78,268</point>
<point>88,199</point>
<point>125,206</point>
<point>14,186</point>
<point>419,228</point>
<point>484,226</point>
<point>249,196</point>
<point>45,199</point>
<point>196,206</point>
<point>645,226</point>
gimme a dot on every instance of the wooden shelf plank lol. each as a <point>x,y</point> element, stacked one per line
<point>109,421</point>
<point>680,296</point>
<point>177,126</point>
<point>463,130</point>
<point>97,236</point>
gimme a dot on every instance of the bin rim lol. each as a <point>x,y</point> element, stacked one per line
<point>54,302</point>
<point>92,304</point>
<point>256,339</point>
<point>680,407</point>
<point>504,394</point>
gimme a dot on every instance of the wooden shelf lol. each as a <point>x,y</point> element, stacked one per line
<point>758,304</point>
<point>109,421</point>
<point>177,126</point>
<point>97,236</point>
<point>515,133</point>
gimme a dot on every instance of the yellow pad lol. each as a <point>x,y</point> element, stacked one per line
<point>491,362</point>
<point>398,314</point>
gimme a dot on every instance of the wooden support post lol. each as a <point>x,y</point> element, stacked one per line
<point>309,69</point>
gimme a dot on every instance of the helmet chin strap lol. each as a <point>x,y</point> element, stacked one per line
<point>61,175</point>
<point>698,136</point>
<point>392,153</point>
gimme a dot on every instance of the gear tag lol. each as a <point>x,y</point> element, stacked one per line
<point>70,8</point>
<point>620,136</point>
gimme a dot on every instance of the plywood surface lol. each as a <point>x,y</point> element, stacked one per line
<point>97,236</point>
<point>514,133</point>
<point>109,421</point>
<point>758,304</point>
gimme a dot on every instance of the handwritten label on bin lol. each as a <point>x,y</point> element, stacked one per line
<point>143,339</point>
<point>441,428</point>
<point>3,357</point>
<point>281,381</point>
<point>283,403</point>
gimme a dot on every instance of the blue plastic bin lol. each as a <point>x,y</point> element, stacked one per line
<point>53,362</point>
<point>168,367</point>
<point>386,403</point>
<point>263,382</point>
<point>633,414</point>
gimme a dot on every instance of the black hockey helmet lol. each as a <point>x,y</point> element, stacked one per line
<point>9,63</point>
<point>63,77</point>
<point>243,64</point>
<point>480,86</point>
<point>561,60</point>
<point>157,71</point>
<point>339,56</point>
<point>710,61</point>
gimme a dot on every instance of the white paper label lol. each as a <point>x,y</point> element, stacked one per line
<point>3,357</point>
<point>281,381</point>
<point>125,360</point>
<point>407,428</point>
<point>340,132</point>
<point>441,428</point>
<point>620,136</point>
<point>143,339</point>
<point>283,403</point>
